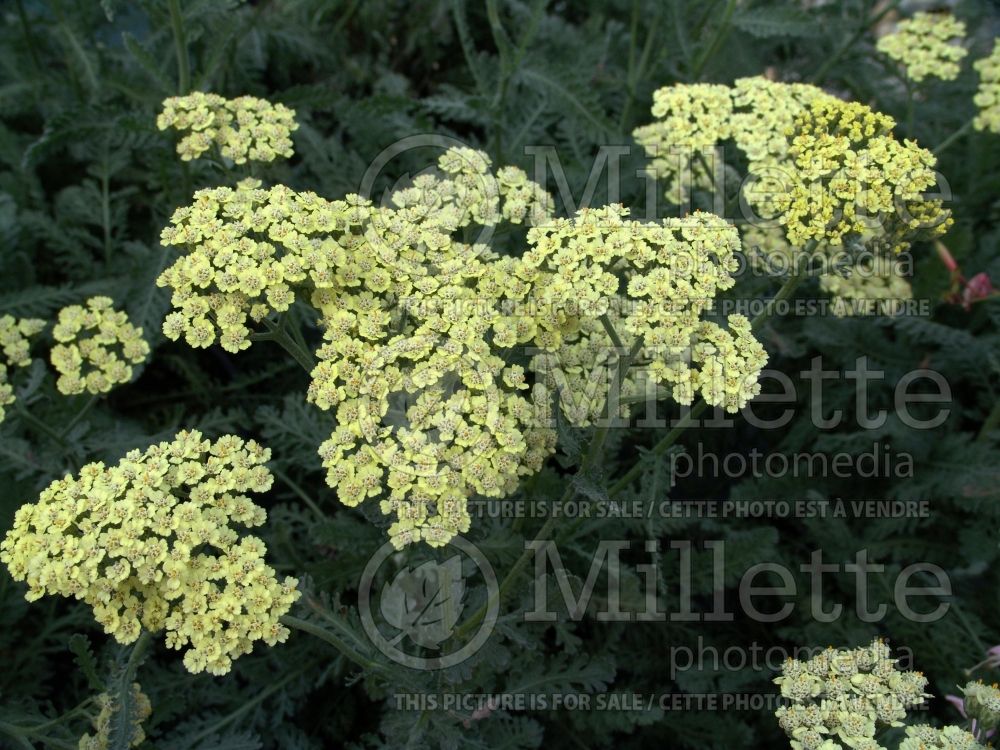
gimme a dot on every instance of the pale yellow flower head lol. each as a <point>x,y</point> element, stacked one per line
<point>987,98</point>
<point>142,709</point>
<point>691,119</point>
<point>428,414</point>
<point>843,698</point>
<point>14,339</point>
<point>662,277</point>
<point>924,737</point>
<point>763,113</point>
<point>14,352</point>
<point>97,347</point>
<point>6,391</point>
<point>150,543</point>
<point>244,129</point>
<point>247,249</point>
<point>847,175</point>
<point>927,45</point>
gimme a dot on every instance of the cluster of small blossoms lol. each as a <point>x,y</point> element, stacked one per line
<point>840,698</point>
<point>875,285</point>
<point>850,177</point>
<point>664,276</point>
<point>763,113</point>
<point>142,709</point>
<point>928,44</point>
<point>987,98</point>
<point>244,129</point>
<point>395,290</point>
<point>924,737</point>
<point>97,347</point>
<point>582,370</point>
<point>14,352</point>
<point>982,703</point>
<point>428,414</point>
<point>692,120</point>
<point>247,249</point>
<point>149,543</point>
<point>825,168</point>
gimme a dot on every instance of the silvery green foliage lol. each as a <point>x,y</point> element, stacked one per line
<point>87,183</point>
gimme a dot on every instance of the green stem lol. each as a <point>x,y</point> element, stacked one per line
<point>139,650</point>
<point>80,415</point>
<point>843,50</point>
<point>29,37</point>
<point>39,425</point>
<point>277,334</point>
<point>951,139</point>
<point>720,34</point>
<point>636,70</point>
<point>313,506</point>
<point>325,635</point>
<point>180,47</point>
<point>788,288</point>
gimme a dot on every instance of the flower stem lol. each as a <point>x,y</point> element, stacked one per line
<point>79,415</point>
<point>277,333</point>
<point>855,38</point>
<point>325,635</point>
<point>180,47</point>
<point>720,34</point>
<point>951,139</point>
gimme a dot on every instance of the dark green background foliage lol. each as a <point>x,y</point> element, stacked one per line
<point>87,183</point>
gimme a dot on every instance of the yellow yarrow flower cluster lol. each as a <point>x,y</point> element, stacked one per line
<point>987,98</point>
<point>924,737</point>
<point>409,313</point>
<point>244,129</point>
<point>841,698</point>
<point>667,275</point>
<point>928,44</point>
<point>763,113</point>
<point>691,120</point>
<point>248,248</point>
<point>982,703</point>
<point>428,414</point>
<point>823,167</point>
<point>875,285</point>
<point>142,709</point>
<point>14,352</point>
<point>582,370</point>
<point>149,543</point>
<point>848,176</point>
<point>97,347</point>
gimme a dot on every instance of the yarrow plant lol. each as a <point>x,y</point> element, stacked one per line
<point>661,278</point>
<point>243,129</point>
<point>927,45</point>
<point>987,98</point>
<point>98,347</point>
<point>843,698</point>
<point>149,544</point>
<point>14,352</point>
<point>823,173</point>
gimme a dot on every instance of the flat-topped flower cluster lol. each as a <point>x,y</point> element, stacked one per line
<point>150,543</point>
<point>822,172</point>
<point>843,698</point>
